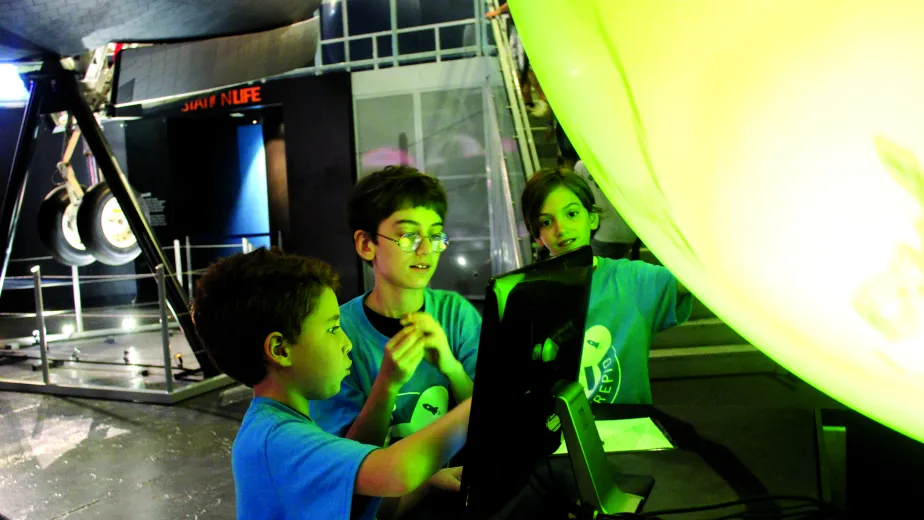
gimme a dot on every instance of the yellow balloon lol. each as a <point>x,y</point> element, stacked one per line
<point>770,154</point>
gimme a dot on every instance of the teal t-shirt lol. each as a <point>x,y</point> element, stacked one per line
<point>427,395</point>
<point>630,301</point>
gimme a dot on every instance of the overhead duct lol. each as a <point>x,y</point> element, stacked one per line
<point>162,71</point>
<point>29,30</point>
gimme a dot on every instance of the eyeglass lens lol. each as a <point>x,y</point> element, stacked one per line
<point>411,241</point>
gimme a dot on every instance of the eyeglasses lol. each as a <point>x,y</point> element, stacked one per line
<point>409,242</point>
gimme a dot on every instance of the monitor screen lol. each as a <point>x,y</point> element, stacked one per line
<point>531,339</point>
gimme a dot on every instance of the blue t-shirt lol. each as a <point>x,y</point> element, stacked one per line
<point>285,467</point>
<point>427,395</point>
<point>630,301</point>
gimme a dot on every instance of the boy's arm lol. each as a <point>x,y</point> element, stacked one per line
<point>504,8</point>
<point>407,464</point>
<point>661,296</point>
<point>447,479</point>
<point>394,508</point>
<point>467,338</point>
<point>402,354</point>
<point>374,419</point>
<point>461,385</point>
<point>468,334</point>
<point>410,501</point>
<point>439,353</point>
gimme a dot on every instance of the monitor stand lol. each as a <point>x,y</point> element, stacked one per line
<point>592,472</point>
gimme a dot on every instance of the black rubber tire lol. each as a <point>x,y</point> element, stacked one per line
<point>51,232</point>
<point>89,223</point>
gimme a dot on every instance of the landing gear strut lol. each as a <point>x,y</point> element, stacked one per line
<point>54,89</point>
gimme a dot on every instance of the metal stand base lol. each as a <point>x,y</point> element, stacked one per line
<point>120,394</point>
<point>592,473</point>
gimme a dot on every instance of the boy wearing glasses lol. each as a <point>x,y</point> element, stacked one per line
<point>396,215</point>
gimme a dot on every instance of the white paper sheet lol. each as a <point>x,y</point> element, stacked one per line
<point>623,435</point>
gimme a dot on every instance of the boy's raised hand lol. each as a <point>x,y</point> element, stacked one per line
<point>436,345</point>
<point>403,352</point>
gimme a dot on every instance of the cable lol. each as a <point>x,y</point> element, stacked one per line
<point>798,513</point>
<point>809,508</point>
<point>558,491</point>
<point>819,509</point>
<point>784,513</point>
<point>794,515</point>
<point>722,505</point>
<point>532,486</point>
<point>548,466</point>
<point>562,502</point>
<point>555,490</point>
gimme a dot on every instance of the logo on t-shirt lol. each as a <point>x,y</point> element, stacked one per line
<point>601,373</point>
<point>432,403</point>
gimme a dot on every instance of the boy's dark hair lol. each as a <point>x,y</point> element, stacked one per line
<point>381,193</point>
<point>244,298</point>
<point>542,183</point>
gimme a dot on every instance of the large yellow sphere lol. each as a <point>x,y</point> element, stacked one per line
<point>770,154</point>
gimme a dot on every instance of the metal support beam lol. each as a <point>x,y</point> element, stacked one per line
<point>131,208</point>
<point>78,301</point>
<point>178,262</point>
<point>40,322</point>
<point>164,332</point>
<point>19,172</point>
<point>191,288</point>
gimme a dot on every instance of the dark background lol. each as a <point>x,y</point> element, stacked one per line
<point>185,161</point>
<point>42,179</point>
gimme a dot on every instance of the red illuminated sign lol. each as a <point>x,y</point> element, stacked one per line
<point>236,97</point>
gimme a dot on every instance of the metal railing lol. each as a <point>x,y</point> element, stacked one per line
<point>172,359</point>
<point>515,102</point>
<point>182,269</point>
<point>76,334</point>
<point>480,47</point>
<point>503,219</point>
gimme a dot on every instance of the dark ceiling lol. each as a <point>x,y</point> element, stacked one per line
<point>31,28</point>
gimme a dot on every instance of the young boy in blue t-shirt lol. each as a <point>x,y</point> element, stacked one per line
<point>271,321</point>
<point>397,216</point>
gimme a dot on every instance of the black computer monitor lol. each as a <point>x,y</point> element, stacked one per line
<point>527,395</point>
<point>531,339</point>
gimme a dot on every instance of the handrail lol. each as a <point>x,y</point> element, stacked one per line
<point>509,216</point>
<point>395,59</point>
<point>522,127</point>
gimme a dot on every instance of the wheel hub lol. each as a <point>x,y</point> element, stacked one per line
<point>69,227</point>
<point>115,226</point>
